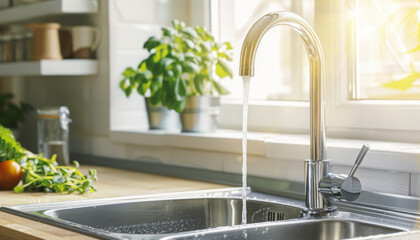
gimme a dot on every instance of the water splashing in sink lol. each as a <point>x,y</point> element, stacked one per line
<point>246,83</point>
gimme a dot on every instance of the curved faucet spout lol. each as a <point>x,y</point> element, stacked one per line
<point>316,166</point>
<point>316,63</point>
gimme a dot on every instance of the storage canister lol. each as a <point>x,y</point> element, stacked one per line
<point>7,49</point>
<point>28,45</point>
<point>53,133</point>
<point>46,42</point>
<point>1,48</point>
<point>18,47</point>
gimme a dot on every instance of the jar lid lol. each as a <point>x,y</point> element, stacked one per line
<point>62,113</point>
<point>51,112</point>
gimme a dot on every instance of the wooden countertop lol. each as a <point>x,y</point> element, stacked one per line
<point>112,183</point>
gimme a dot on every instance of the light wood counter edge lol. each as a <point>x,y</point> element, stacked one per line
<point>18,228</point>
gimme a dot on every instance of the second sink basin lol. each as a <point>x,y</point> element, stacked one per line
<point>319,229</point>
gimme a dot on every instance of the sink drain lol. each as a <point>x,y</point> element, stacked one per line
<point>274,216</point>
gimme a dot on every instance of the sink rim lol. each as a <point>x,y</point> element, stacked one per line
<point>35,212</point>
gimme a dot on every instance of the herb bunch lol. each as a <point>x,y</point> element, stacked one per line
<point>184,61</point>
<point>43,174</point>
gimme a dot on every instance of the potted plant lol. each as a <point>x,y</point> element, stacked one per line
<point>183,72</point>
<point>12,114</point>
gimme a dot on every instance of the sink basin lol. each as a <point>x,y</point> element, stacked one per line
<point>320,229</point>
<point>173,216</point>
<point>154,217</point>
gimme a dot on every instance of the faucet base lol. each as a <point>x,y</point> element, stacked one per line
<point>314,172</point>
<point>319,212</point>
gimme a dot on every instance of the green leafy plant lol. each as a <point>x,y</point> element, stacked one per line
<point>44,174</point>
<point>183,62</point>
<point>10,113</point>
<point>9,147</point>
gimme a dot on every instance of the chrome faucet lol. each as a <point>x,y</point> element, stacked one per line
<point>317,167</point>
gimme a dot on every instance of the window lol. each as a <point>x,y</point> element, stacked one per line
<point>282,65</point>
<point>363,53</point>
<point>388,49</point>
<point>280,88</point>
<point>354,110</point>
<point>360,104</point>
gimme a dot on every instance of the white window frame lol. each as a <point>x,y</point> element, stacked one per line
<point>389,120</point>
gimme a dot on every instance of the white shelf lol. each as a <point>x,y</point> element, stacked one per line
<point>48,8</point>
<point>67,67</point>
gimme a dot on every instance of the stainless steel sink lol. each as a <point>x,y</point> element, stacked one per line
<point>212,214</point>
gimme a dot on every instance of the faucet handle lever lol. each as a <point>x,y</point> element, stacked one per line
<point>359,159</point>
<point>341,186</point>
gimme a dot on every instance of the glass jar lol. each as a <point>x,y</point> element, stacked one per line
<point>53,133</point>
<point>18,47</point>
<point>7,48</point>
<point>1,48</point>
<point>27,47</point>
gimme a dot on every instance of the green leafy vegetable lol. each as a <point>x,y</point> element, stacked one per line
<point>9,147</point>
<point>43,174</point>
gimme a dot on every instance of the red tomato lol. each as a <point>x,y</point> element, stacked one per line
<point>10,174</point>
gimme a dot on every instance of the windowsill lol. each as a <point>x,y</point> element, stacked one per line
<point>391,156</point>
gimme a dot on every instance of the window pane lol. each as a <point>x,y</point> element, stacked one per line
<point>282,71</point>
<point>388,41</point>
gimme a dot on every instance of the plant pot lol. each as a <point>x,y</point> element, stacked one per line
<point>159,117</point>
<point>200,114</point>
